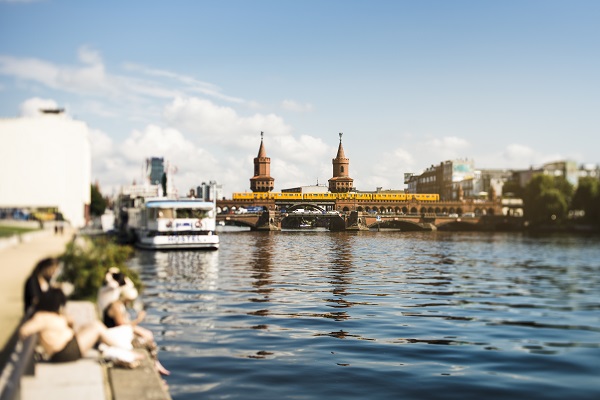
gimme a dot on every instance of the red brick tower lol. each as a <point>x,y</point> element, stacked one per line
<point>262,181</point>
<point>341,181</point>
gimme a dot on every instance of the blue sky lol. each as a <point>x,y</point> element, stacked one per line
<point>509,84</point>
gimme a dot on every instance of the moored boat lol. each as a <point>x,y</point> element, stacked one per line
<point>174,224</point>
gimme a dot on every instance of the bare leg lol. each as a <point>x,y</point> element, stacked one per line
<point>89,335</point>
<point>159,367</point>
<point>146,334</point>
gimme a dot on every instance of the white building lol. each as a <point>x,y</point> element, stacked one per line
<point>45,162</point>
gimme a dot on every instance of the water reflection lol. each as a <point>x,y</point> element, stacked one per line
<point>458,315</point>
<point>260,261</point>
<point>339,259</point>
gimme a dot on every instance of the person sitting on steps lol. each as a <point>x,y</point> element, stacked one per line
<point>56,335</point>
<point>116,314</point>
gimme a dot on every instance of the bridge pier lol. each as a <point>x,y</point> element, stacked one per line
<point>356,222</point>
<point>268,221</point>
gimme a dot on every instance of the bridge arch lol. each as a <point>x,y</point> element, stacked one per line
<point>454,225</point>
<point>306,206</point>
<point>402,225</point>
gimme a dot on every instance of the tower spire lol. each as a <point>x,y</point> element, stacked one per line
<point>262,181</point>
<point>341,181</point>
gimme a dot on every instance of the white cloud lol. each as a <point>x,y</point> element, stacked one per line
<point>88,55</point>
<point>518,152</point>
<point>291,105</point>
<point>102,144</point>
<point>91,78</point>
<point>32,107</point>
<point>388,171</point>
<point>192,85</point>
<point>208,122</point>
<point>448,144</point>
<point>294,161</point>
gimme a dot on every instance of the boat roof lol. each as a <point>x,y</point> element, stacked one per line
<point>206,205</point>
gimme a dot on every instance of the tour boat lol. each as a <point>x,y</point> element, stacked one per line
<point>174,224</point>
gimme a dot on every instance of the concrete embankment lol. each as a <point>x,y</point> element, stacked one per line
<point>88,378</point>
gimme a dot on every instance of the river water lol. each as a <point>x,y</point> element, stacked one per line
<point>378,315</point>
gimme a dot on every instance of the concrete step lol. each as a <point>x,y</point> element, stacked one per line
<point>82,379</point>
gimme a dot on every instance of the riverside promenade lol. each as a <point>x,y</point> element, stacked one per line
<point>88,378</point>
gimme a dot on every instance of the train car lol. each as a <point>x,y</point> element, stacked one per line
<point>424,197</point>
<point>346,196</point>
<point>260,195</point>
<point>243,196</point>
<point>389,196</point>
<point>363,196</point>
<point>287,196</point>
<point>428,197</point>
<point>319,196</point>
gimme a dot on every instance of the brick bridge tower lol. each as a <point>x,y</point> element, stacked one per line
<point>262,181</point>
<point>341,181</point>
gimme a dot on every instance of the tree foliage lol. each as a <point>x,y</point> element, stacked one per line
<point>546,200</point>
<point>86,262</point>
<point>98,203</point>
<point>587,199</point>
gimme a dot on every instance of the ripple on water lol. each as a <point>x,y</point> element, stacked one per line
<point>373,315</point>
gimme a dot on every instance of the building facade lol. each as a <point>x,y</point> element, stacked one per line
<point>45,163</point>
<point>155,169</point>
<point>210,191</point>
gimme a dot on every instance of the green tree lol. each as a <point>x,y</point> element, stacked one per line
<point>546,199</point>
<point>87,260</point>
<point>98,203</point>
<point>587,199</point>
<point>565,187</point>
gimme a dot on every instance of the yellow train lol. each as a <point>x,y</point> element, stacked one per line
<point>380,197</point>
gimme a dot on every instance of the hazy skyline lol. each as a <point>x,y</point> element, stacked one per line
<point>509,84</point>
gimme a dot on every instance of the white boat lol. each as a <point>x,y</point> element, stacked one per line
<point>174,224</point>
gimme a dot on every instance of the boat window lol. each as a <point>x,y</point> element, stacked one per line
<point>191,213</point>
<point>163,212</point>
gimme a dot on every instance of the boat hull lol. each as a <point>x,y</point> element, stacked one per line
<point>172,242</point>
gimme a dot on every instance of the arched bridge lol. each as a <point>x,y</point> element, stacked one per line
<point>271,220</point>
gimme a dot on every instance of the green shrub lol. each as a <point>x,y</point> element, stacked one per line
<point>86,261</point>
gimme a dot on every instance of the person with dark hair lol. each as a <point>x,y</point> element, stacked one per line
<point>56,335</point>
<point>39,281</point>
<point>116,316</point>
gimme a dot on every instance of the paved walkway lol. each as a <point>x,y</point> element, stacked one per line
<point>17,260</point>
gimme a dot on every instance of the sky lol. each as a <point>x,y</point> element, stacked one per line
<point>508,84</point>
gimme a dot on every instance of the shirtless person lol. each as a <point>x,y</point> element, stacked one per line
<point>57,337</point>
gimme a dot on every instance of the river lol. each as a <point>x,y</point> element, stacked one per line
<point>378,315</point>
